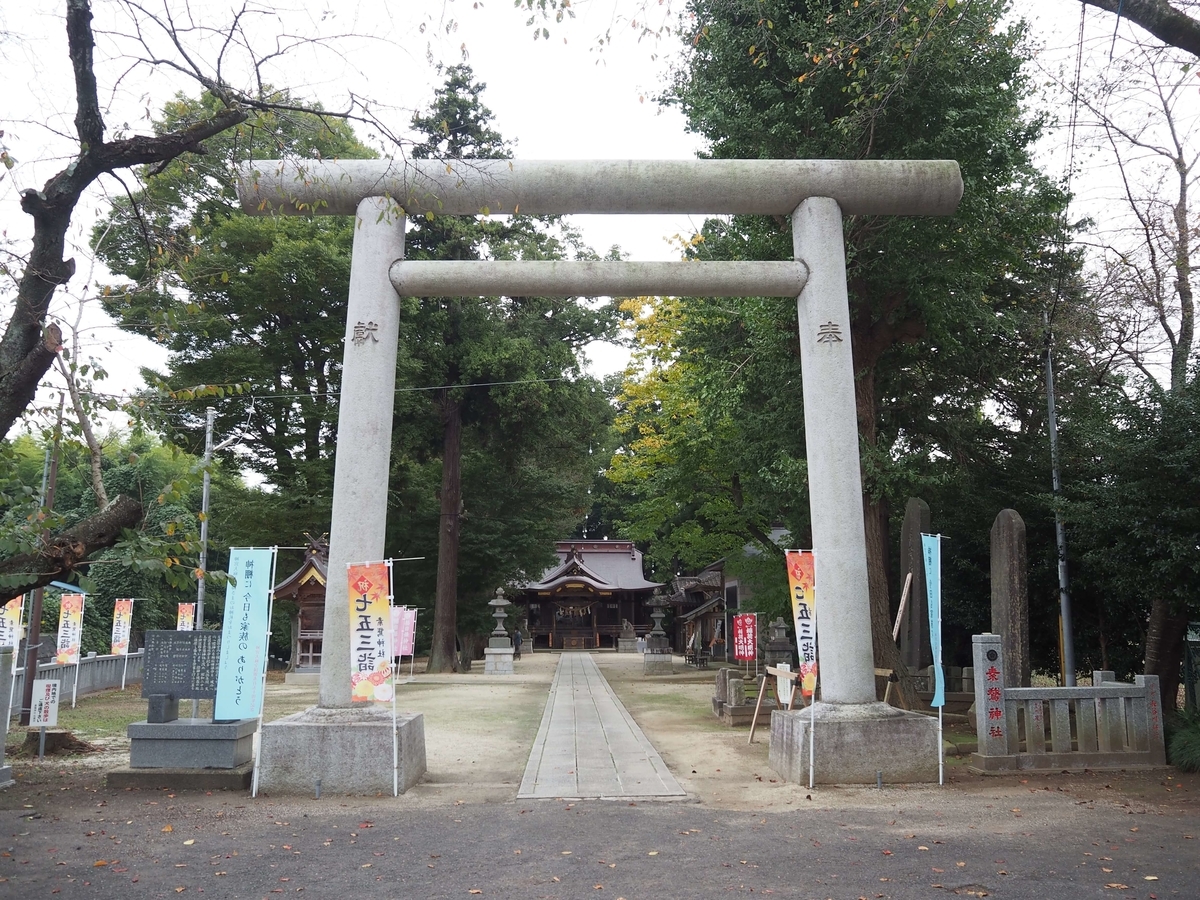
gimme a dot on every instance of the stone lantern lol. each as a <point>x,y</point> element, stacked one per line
<point>657,658</point>
<point>498,655</point>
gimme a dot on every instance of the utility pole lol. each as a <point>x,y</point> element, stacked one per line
<point>208,455</point>
<point>33,633</point>
<point>209,450</point>
<point>1060,532</point>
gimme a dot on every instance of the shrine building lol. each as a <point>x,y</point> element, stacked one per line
<point>582,602</point>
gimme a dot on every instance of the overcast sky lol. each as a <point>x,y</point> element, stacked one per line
<point>554,98</point>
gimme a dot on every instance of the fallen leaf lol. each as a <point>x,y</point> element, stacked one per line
<point>1117,886</point>
<point>652,853</point>
<point>474,891</point>
<point>922,847</point>
<point>1150,878</point>
<point>168,828</point>
<point>100,863</point>
<point>189,842</point>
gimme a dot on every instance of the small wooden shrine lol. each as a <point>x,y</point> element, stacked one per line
<point>306,588</point>
<point>582,602</point>
<point>699,603</point>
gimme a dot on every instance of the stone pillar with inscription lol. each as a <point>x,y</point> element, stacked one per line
<point>6,674</point>
<point>914,630</point>
<point>1010,595</point>
<point>347,749</point>
<point>856,737</point>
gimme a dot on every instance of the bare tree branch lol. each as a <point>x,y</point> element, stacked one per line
<point>1169,24</point>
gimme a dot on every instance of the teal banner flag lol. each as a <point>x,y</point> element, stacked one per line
<point>244,635</point>
<point>931,550</point>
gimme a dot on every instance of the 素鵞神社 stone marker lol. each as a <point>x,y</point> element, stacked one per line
<point>856,736</point>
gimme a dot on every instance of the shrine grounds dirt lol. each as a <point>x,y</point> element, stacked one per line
<point>461,833</point>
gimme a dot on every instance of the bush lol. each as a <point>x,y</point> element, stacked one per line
<point>1183,746</point>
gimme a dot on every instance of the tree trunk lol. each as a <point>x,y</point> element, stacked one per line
<point>62,553</point>
<point>442,657</point>
<point>875,520</point>
<point>1164,648</point>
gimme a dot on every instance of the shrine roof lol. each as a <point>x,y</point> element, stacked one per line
<point>605,565</point>
<point>314,568</point>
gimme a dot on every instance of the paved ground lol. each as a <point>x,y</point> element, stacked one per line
<point>738,831</point>
<point>588,746</point>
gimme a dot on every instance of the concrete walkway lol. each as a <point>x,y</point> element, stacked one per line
<point>588,746</point>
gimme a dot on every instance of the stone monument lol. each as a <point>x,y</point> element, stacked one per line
<point>779,649</point>
<point>6,675</point>
<point>1010,595</point>
<point>627,640</point>
<point>498,654</point>
<point>815,193</point>
<point>915,648</point>
<point>182,665</point>
<point>657,658</point>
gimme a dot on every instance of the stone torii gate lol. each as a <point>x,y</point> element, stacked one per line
<point>856,736</point>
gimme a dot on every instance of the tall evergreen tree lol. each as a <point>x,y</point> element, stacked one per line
<point>940,308</point>
<point>507,369</point>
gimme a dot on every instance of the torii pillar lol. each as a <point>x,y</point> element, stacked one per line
<point>855,736</point>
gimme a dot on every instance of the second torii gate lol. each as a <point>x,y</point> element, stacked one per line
<point>856,736</point>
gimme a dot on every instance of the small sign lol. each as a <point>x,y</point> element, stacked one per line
<point>245,630</point>
<point>183,663</point>
<point>404,630</point>
<point>122,624</point>
<point>370,632</point>
<point>185,619</point>
<point>745,636</point>
<point>43,711</point>
<point>10,625</point>
<point>70,629</point>
<point>801,569</point>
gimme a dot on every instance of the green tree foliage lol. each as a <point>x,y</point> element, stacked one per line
<point>245,303</point>
<point>137,465</point>
<point>943,318</point>
<point>512,420</point>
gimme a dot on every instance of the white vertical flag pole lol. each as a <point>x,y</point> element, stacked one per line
<point>941,741</point>
<point>79,652</point>
<point>12,682</point>
<point>392,664</point>
<point>812,701</point>
<point>931,553</point>
<point>412,657</point>
<point>266,664</point>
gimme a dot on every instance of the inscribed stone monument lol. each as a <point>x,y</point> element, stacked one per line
<point>915,647</point>
<point>1010,595</point>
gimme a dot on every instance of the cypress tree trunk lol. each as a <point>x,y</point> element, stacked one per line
<point>442,657</point>
<point>875,520</point>
<point>1164,648</point>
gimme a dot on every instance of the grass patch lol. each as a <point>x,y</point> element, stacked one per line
<point>1183,745</point>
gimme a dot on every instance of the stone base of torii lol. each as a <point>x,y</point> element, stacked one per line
<point>856,737</point>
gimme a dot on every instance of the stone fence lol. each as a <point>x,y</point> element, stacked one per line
<point>1109,725</point>
<point>96,673</point>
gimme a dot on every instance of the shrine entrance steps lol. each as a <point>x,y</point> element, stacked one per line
<point>588,746</point>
